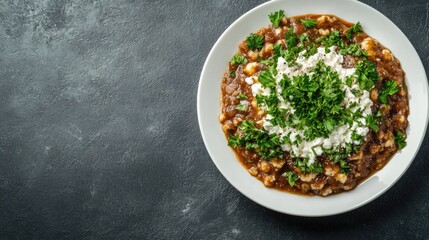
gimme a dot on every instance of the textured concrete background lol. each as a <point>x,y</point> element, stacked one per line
<point>99,136</point>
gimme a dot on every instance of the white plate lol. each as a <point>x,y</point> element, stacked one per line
<point>209,93</point>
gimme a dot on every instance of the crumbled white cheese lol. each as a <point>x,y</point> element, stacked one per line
<point>341,135</point>
<point>258,89</point>
<point>249,80</point>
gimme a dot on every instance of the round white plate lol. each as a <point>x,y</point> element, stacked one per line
<point>209,93</point>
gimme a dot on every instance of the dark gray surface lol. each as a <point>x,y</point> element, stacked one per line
<point>99,136</point>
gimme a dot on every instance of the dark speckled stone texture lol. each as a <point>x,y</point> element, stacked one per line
<point>99,136</point>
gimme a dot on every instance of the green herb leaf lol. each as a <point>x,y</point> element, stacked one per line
<point>356,137</point>
<point>329,124</point>
<point>268,62</point>
<point>372,123</point>
<point>233,141</point>
<point>355,29</point>
<point>378,114</point>
<point>291,38</point>
<point>276,17</point>
<point>353,49</point>
<point>291,177</point>
<point>241,96</point>
<point>265,145</point>
<point>349,81</point>
<point>335,39</point>
<point>232,73</point>
<point>241,107</point>
<point>238,59</point>
<point>316,167</point>
<point>267,79</point>
<point>340,155</point>
<point>255,41</point>
<point>308,23</point>
<point>332,39</point>
<point>345,168</point>
<point>389,88</point>
<point>400,140</point>
<point>366,74</point>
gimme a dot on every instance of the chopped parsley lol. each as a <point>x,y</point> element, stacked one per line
<point>232,73</point>
<point>336,39</point>
<point>267,62</point>
<point>308,23</point>
<point>339,156</point>
<point>400,140</point>
<point>332,39</point>
<point>366,74</point>
<point>241,96</point>
<point>276,17</point>
<point>378,113</point>
<point>291,38</point>
<point>255,41</point>
<point>238,59</point>
<point>291,178</point>
<point>316,167</point>
<point>241,107</point>
<point>250,137</point>
<point>267,79</point>
<point>389,88</point>
<point>272,102</point>
<point>345,168</point>
<point>317,101</point>
<point>372,123</point>
<point>355,29</point>
<point>354,50</point>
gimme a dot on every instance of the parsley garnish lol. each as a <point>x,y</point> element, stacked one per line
<point>335,39</point>
<point>265,145</point>
<point>291,177</point>
<point>349,81</point>
<point>267,62</point>
<point>308,23</point>
<point>317,101</point>
<point>276,17</point>
<point>400,140</point>
<point>241,96</point>
<point>291,38</point>
<point>356,92</point>
<point>389,88</point>
<point>356,137</point>
<point>353,49</point>
<point>372,123</point>
<point>238,59</point>
<point>378,114</point>
<point>340,155</point>
<point>241,107</point>
<point>345,168</point>
<point>332,39</point>
<point>267,79</point>
<point>255,41</point>
<point>355,29</point>
<point>232,73</point>
<point>366,74</point>
<point>316,167</point>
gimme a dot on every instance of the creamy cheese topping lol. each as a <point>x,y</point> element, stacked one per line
<point>341,135</point>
